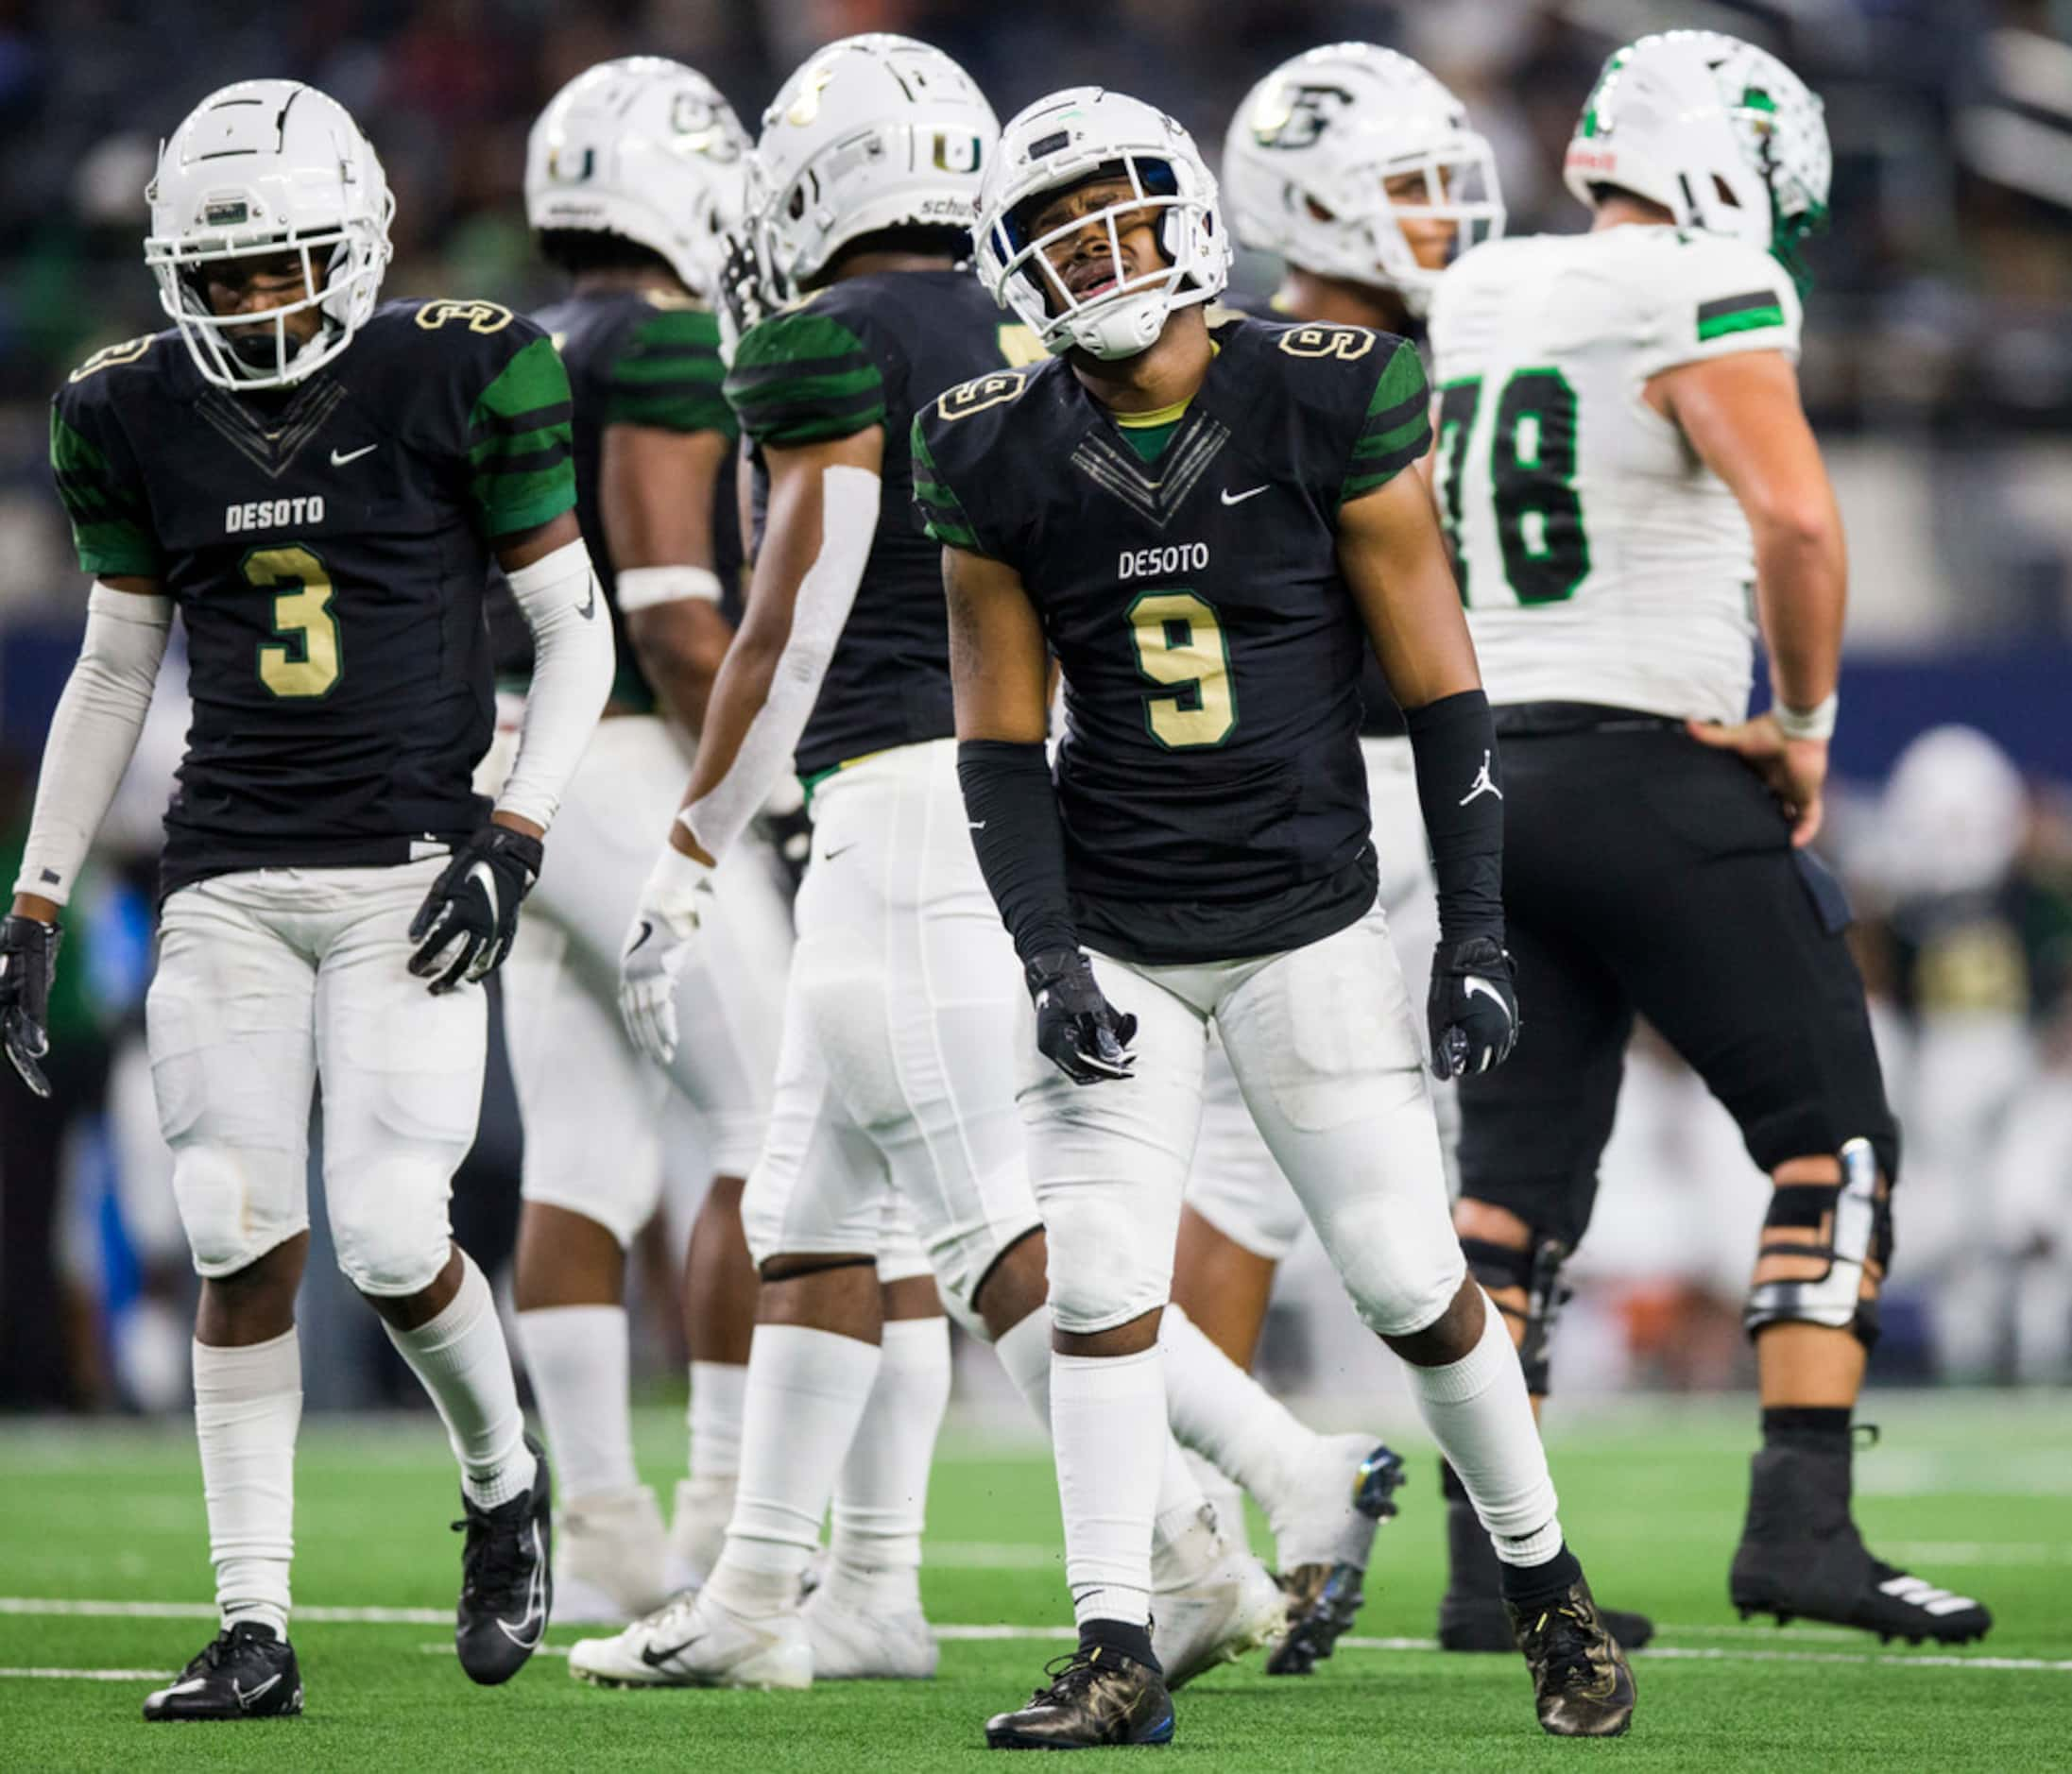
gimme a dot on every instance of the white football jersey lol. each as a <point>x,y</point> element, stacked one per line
<point>1599,560</point>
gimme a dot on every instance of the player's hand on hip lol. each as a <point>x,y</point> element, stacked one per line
<point>469,920</point>
<point>675,916</point>
<point>1795,770</point>
<point>1084,1036</point>
<point>29,962</point>
<point>1472,1011</point>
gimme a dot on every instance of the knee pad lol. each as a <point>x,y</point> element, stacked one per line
<point>1859,1225</point>
<point>1537,1271</point>
<point>236,1206</point>
<point>1103,1270</point>
<point>389,1227</point>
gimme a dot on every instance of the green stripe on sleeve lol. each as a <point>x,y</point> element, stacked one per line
<point>804,378</point>
<point>1740,320</point>
<point>1396,429</point>
<point>520,443</point>
<point>670,375</point>
<point>935,501</point>
<point>111,525</point>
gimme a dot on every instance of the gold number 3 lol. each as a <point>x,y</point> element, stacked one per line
<point>307,661</point>
<point>1179,642</point>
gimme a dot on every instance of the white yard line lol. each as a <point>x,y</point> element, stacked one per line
<point>87,1675</point>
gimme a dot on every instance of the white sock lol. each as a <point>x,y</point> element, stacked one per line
<point>247,1407</point>
<point>880,1500</point>
<point>461,1360</point>
<point>719,1392</point>
<point>1223,1414</point>
<point>807,1391</point>
<point>1108,1428</point>
<point>1024,1351</point>
<point>1477,1413</point>
<point>577,1359</point>
<point>1221,1496</point>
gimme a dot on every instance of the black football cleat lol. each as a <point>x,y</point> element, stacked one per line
<point>1582,1686</point>
<point>1801,1557</point>
<point>1325,1599</point>
<point>1095,1700</point>
<point>1471,1612</point>
<point>506,1578</point>
<point>246,1671</point>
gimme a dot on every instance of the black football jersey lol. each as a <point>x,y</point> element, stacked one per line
<point>1210,778</point>
<point>873,351</point>
<point>634,357</point>
<point>328,546</point>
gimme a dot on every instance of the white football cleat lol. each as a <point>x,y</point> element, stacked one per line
<point>609,1557</point>
<point>849,1646</point>
<point>1229,1606</point>
<point>698,1529</point>
<point>696,1642</point>
<point>1321,1515</point>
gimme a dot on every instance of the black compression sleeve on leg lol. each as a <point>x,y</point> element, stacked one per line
<point>1012,808</point>
<point>1460,787</point>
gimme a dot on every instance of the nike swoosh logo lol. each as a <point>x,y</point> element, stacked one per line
<point>535,1602</point>
<point>647,929</point>
<point>589,609</point>
<point>1490,992</point>
<point>338,461</point>
<point>1237,499</point>
<point>976,825</point>
<point>655,1659</point>
<point>245,1699</point>
<point>840,849</point>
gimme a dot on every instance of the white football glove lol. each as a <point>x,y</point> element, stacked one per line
<point>660,943</point>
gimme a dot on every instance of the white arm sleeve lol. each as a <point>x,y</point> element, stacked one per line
<point>573,661</point>
<point>849,520</point>
<point>92,734</point>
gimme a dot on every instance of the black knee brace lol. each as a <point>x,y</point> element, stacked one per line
<point>1537,1270</point>
<point>1860,1222</point>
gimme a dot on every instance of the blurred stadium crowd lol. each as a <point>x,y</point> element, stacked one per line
<point>1938,367</point>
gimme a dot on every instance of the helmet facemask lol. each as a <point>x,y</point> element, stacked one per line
<point>341,270</point>
<point>1452,184</point>
<point>1123,317</point>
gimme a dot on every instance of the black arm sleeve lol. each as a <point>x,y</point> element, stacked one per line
<point>1013,811</point>
<point>1460,788</point>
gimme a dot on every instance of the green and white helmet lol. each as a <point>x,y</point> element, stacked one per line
<point>646,149</point>
<point>255,170</point>
<point>1312,146</point>
<point>872,132</point>
<point>1720,133</point>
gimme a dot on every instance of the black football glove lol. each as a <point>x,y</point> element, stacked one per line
<point>1084,1036</point>
<point>468,921</point>
<point>1473,1010</point>
<point>28,962</point>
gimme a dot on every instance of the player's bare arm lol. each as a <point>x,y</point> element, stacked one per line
<point>655,490</point>
<point>1394,555</point>
<point>1743,416</point>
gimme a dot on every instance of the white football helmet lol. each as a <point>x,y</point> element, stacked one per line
<point>1063,141</point>
<point>872,132</point>
<point>645,149</point>
<point>254,170</point>
<point>1721,134</point>
<point>1314,143</point>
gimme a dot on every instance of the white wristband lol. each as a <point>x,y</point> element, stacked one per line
<point>1817,723</point>
<point>643,588</point>
<point>673,878</point>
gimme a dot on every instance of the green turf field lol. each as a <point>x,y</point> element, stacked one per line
<point>1976,1491</point>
